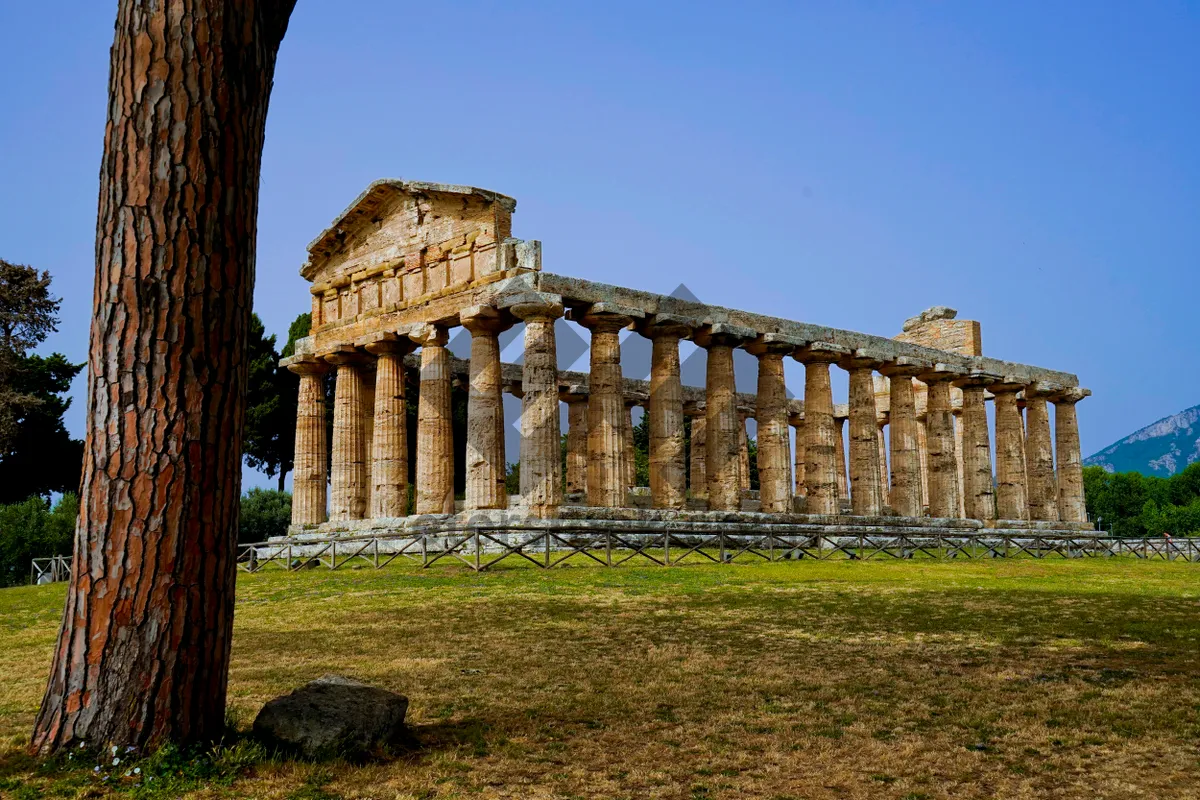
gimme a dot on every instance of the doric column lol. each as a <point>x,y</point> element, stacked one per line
<point>541,472</point>
<point>943,465</point>
<point>1012,501</point>
<point>865,497</point>
<point>723,452</point>
<point>485,463</point>
<point>1039,455</point>
<point>1071,507</point>
<point>435,430</point>
<point>349,468</point>
<point>905,495</point>
<point>576,399</point>
<point>699,446</point>
<point>311,459</point>
<point>881,440</point>
<point>978,487</point>
<point>606,407</point>
<point>628,458</point>
<point>743,450</point>
<point>797,422</point>
<point>389,440</point>
<point>820,431</point>
<point>956,411</point>
<point>774,442</point>
<point>668,472</point>
<point>843,485</point>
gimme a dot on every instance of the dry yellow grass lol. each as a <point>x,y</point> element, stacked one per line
<point>1065,679</point>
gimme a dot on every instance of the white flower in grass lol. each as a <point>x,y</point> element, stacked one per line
<point>116,761</point>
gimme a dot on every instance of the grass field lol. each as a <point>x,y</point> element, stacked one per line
<point>1022,678</point>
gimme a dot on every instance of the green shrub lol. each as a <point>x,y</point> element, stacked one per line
<point>265,513</point>
<point>34,529</point>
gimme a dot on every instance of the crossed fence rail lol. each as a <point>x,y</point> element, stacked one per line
<point>483,548</point>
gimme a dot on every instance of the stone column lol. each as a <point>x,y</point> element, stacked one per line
<point>541,472</point>
<point>723,454</point>
<point>485,463</point>
<point>668,472</point>
<point>797,422</point>
<point>943,465</point>
<point>1071,507</point>
<point>905,441</point>
<point>435,430</point>
<point>1012,502</point>
<point>820,431</point>
<point>884,482</point>
<point>843,486</point>
<point>606,407</point>
<point>311,459</point>
<point>956,411</point>
<point>865,497</point>
<point>349,468</point>
<point>978,487</point>
<point>628,456</point>
<point>743,451</point>
<point>576,399</point>
<point>389,441</point>
<point>699,446</point>
<point>1039,456</point>
<point>774,443</point>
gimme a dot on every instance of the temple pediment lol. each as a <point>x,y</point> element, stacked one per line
<point>403,242</point>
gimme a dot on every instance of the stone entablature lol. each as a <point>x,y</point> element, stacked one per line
<point>409,261</point>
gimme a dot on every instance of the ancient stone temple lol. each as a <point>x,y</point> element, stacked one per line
<point>409,262</point>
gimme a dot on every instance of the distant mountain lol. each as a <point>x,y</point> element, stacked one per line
<point>1162,449</point>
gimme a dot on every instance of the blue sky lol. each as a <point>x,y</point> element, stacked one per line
<point>1032,164</point>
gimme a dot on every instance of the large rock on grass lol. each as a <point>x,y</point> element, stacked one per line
<point>334,716</point>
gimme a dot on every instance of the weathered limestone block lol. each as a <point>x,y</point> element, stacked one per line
<point>435,428</point>
<point>943,463</point>
<point>937,327</point>
<point>606,406</point>
<point>865,497</point>
<point>1012,502</point>
<point>541,478</point>
<point>1071,507</point>
<point>349,464</point>
<point>821,440</point>
<point>311,456</point>
<point>774,441</point>
<point>1039,455</point>
<point>722,459</point>
<point>668,472</point>
<point>699,448</point>
<point>485,409</point>
<point>905,496</point>
<point>389,439</point>
<point>978,487</point>
<point>800,459</point>
<point>576,399</point>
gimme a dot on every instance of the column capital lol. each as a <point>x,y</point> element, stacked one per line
<point>429,335</point>
<point>483,319</point>
<point>1071,395</point>
<point>695,408</point>
<point>1040,391</point>
<point>904,367</point>
<point>345,354</point>
<point>515,388</point>
<point>723,334</point>
<point>671,326</point>
<point>941,372</point>
<point>820,353</point>
<point>862,359</point>
<point>841,411</point>
<point>533,306</point>
<point>604,317</point>
<point>774,344</point>
<point>632,399</point>
<point>304,365</point>
<point>573,393</point>
<point>1009,384</point>
<point>386,342</point>
<point>795,419</point>
<point>977,379</point>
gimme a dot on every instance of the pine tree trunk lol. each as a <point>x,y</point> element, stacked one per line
<point>282,475</point>
<point>143,653</point>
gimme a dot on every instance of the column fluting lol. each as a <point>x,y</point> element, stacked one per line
<point>541,474</point>
<point>943,464</point>
<point>606,409</point>
<point>1012,501</point>
<point>865,497</point>
<point>820,431</point>
<point>389,440</point>
<point>668,472</point>
<point>1071,505</point>
<point>435,430</point>
<point>774,442</point>
<point>348,479</point>
<point>1039,456</point>
<point>723,454</point>
<point>978,487</point>
<point>904,441</point>
<point>485,462</point>
<point>311,460</point>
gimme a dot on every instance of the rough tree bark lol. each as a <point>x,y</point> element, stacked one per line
<point>143,653</point>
